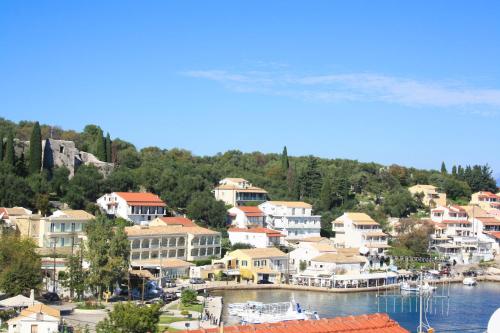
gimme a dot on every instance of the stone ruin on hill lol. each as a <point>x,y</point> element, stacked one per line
<point>59,153</point>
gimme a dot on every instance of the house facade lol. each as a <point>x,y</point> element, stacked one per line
<point>155,242</point>
<point>137,207</point>
<point>246,216</point>
<point>258,237</point>
<point>266,264</point>
<point>238,191</point>
<point>485,200</point>
<point>429,194</point>
<point>38,318</point>
<point>293,219</point>
<point>360,231</point>
<point>61,232</point>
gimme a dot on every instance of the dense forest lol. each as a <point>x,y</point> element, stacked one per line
<point>185,180</point>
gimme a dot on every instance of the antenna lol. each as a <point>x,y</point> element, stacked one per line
<point>422,293</point>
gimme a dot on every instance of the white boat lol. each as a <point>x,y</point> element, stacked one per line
<point>257,312</point>
<point>469,281</point>
<point>415,287</point>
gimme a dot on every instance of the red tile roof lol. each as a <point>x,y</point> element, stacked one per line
<point>489,220</point>
<point>259,230</point>
<point>251,211</point>
<point>456,221</point>
<point>488,195</point>
<point>457,208</point>
<point>372,323</point>
<point>178,220</point>
<point>495,234</point>
<point>141,199</point>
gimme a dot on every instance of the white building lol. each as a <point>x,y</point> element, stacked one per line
<point>294,219</point>
<point>238,191</point>
<point>246,216</point>
<point>305,251</point>
<point>358,230</point>
<point>459,236</point>
<point>258,237</point>
<point>38,318</point>
<point>133,206</point>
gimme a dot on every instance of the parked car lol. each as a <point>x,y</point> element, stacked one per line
<point>169,297</point>
<point>264,282</point>
<point>196,281</point>
<point>51,297</point>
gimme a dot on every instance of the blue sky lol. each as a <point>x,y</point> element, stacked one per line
<point>385,81</point>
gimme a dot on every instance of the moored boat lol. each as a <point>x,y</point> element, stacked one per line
<point>469,281</point>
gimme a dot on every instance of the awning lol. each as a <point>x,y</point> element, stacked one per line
<point>370,276</point>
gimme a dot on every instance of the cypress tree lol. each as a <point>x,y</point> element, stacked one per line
<point>9,150</point>
<point>108,148</point>
<point>1,148</point>
<point>35,158</point>
<point>454,170</point>
<point>285,163</point>
<point>443,169</point>
<point>100,147</point>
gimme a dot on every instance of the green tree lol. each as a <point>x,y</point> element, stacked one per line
<point>84,187</point>
<point>35,157</point>
<point>59,182</point>
<point>310,180</point>
<point>14,190</point>
<point>285,163</point>
<point>74,280</point>
<point>107,253</point>
<point>399,203</point>
<point>443,169</point>
<point>21,266</point>
<point>205,209</point>
<point>10,155</point>
<point>131,318</point>
<point>109,158</point>
<point>100,147</point>
<point>1,147</point>
<point>188,297</point>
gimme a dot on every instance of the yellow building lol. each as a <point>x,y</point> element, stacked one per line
<point>266,264</point>
<point>485,200</point>
<point>430,196</point>
<point>238,191</point>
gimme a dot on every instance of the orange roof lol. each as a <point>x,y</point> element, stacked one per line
<point>489,220</point>
<point>495,234</point>
<point>456,221</point>
<point>251,211</point>
<point>141,199</point>
<point>259,230</point>
<point>457,208</point>
<point>371,323</point>
<point>488,195</point>
<point>178,220</point>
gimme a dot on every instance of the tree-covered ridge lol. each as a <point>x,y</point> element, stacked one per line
<point>185,181</point>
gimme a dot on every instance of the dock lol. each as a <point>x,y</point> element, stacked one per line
<point>212,313</point>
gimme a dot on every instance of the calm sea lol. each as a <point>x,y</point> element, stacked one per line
<point>467,309</point>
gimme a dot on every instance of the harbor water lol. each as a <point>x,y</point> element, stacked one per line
<point>467,309</point>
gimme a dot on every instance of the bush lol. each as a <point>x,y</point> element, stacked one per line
<point>188,297</point>
<point>184,312</point>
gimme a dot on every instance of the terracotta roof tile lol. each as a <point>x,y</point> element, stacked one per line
<point>178,220</point>
<point>141,199</point>
<point>258,230</point>
<point>372,323</point>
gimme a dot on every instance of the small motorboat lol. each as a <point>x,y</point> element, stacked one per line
<point>414,287</point>
<point>469,281</point>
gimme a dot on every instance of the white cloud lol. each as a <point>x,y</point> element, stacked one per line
<point>356,87</point>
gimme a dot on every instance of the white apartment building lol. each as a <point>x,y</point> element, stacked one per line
<point>246,216</point>
<point>160,242</point>
<point>258,237</point>
<point>458,236</point>
<point>133,206</point>
<point>305,251</point>
<point>238,191</point>
<point>294,219</point>
<point>38,318</point>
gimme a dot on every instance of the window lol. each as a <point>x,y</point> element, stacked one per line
<point>164,254</point>
<point>52,227</point>
<point>155,243</point>
<point>136,255</point>
<point>203,240</point>
<point>164,242</point>
<point>256,263</point>
<point>194,252</point>
<point>194,241</point>
<point>203,252</point>
<point>244,263</point>
<point>171,254</point>
<point>145,243</point>
<point>154,255</point>
<point>171,242</point>
<point>181,253</point>
<point>210,251</point>
<point>217,251</point>
<point>73,226</point>
<point>136,244</point>
<point>62,241</point>
<point>145,255</point>
<point>180,241</point>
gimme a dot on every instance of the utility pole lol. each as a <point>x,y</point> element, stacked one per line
<point>54,266</point>
<point>420,294</point>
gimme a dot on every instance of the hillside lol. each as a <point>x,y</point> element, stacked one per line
<point>185,180</point>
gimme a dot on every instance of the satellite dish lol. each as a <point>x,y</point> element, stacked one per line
<point>364,250</point>
<point>494,323</point>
